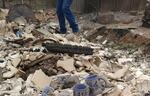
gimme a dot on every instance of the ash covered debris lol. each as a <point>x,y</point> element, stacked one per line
<point>43,63</point>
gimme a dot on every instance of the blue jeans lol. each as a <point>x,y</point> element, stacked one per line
<point>64,12</point>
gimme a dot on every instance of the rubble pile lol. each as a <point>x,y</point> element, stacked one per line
<point>27,68</point>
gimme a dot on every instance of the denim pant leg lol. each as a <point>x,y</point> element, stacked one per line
<point>69,15</point>
<point>61,16</point>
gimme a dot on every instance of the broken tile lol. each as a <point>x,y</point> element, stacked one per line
<point>79,64</point>
<point>67,64</point>
<point>119,74</point>
<point>40,79</point>
<point>14,55</point>
<point>16,61</point>
<point>9,74</point>
<point>28,36</point>
<point>86,62</point>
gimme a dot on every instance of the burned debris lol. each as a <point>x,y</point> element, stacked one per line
<point>103,60</point>
<point>65,48</point>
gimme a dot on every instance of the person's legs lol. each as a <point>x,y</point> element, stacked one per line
<point>61,16</point>
<point>69,15</point>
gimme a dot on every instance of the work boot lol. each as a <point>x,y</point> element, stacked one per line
<point>77,32</point>
<point>58,31</point>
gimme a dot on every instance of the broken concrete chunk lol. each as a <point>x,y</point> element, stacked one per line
<point>14,55</point>
<point>66,64</point>
<point>81,75</point>
<point>32,56</point>
<point>86,62</point>
<point>118,74</point>
<point>13,71</point>
<point>28,36</point>
<point>16,61</point>
<point>79,64</point>
<point>40,79</point>
<point>35,55</point>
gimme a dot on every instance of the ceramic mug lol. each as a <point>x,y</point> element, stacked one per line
<point>96,84</point>
<point>81,90</point>
<point>47,91</point>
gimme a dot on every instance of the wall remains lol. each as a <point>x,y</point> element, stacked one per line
<point>82,6</point>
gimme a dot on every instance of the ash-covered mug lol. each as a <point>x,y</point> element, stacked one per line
<point>96,84</point>
<point>47,91</point>
<point>81,90</point>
